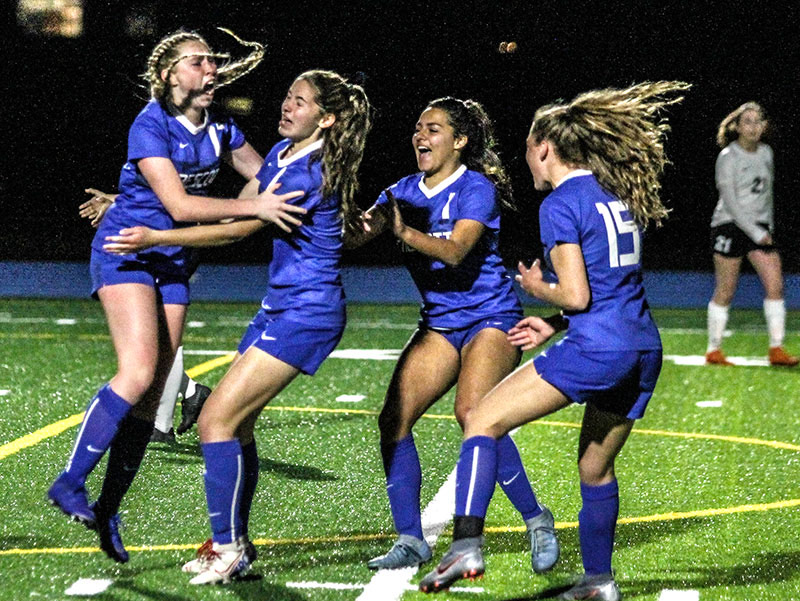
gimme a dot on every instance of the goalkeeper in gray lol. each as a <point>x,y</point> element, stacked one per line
<point>742,225</point>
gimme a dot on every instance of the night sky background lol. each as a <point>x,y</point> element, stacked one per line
<point>68,103</point>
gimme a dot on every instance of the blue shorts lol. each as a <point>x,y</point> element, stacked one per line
<point>107,269</point>
<point>301,345</point>
<point>619,382</point>
<point>460,337</point>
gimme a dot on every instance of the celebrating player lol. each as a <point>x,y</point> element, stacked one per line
<point>602,155</point>
<point>175,147</point>
<point>742,225</point>
<point>325,121</point>
<point>447,217</point>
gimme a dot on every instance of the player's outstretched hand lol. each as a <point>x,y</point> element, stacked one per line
<point>274,208</point>
<point>131,240</point>
<point>530,332</point>
<point>529,277</point>
<point>398,225</point>
<point>96,206</point>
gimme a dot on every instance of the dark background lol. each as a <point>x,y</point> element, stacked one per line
<point>68,103</point>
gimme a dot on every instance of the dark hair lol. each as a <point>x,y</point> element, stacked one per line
<point>468,118</point>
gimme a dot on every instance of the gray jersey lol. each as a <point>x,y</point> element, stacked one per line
<point>744,182</point>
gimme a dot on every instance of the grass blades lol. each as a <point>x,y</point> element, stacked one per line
<point>710,494</point>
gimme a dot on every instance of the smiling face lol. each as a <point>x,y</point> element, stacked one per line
<point>437,149</point>
<point>193,78</point>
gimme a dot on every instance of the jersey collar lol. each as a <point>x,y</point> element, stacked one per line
<point>193,129</point>
<point>298,155</point>
<point>431,192</point>
<point>571,174</point>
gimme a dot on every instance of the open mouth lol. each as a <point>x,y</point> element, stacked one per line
<point>423,150</point>
<point>209,86</point>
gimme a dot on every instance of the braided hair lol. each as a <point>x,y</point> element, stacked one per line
<point>166,55</point>
<point>619,136</point>
<point>344,141</point>
<point>468,119</point>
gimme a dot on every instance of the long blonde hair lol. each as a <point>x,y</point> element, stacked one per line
<point>727,132</point>
<point>165,55</point>
<point>619,135</point>
<point>344,141</point>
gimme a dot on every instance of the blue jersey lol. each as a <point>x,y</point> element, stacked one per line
<point>305,284</point>
<point>196,153</point>
<point>579,211</point>
<point>478,288</point>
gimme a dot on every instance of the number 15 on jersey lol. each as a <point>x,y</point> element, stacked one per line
<point>616,227</point>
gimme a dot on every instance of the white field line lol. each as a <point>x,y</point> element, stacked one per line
<point>389,585</point>
<point>345,586</point>
<point>393,354</point>
<point>673,595</point>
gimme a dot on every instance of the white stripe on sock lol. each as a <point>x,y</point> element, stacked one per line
<point>476,452</point>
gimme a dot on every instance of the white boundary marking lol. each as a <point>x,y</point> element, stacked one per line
<point>673,595</point>
<point>88,587</point>
<point>389,585</point>
<point>345,586</point>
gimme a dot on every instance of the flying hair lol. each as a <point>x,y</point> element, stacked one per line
<point>619,135</point>
<point>165,55</point>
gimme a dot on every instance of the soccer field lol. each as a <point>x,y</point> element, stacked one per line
<point>710,478</point>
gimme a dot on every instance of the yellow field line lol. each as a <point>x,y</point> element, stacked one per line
<point>271,542</point>
<point>33,438</point>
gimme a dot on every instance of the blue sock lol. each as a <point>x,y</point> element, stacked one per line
<point>403,482</point>
<point>597,521</point>
<point>513,480</point>
<point>250,457</point>
<point>124,458</point>
<point>100,423</point>
<point>224,478</point>
<point>476,474</point>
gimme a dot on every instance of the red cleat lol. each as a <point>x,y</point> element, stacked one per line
<point>780,358</point>
<point>717,357</point>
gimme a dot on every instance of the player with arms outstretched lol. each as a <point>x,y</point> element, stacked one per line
<point>324,121</point>
<point>175,147</point>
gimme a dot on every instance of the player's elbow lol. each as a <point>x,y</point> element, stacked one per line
<point>577,300</point>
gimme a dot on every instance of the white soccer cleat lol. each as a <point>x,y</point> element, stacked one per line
<point>218,563</point>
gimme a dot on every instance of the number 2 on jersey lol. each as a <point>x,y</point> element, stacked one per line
<point>616,226</point>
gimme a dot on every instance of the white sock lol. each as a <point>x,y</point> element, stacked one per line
<point>775,312</point>
<point>191,388</point>
<point>166,405</point>
<point>717,320</point>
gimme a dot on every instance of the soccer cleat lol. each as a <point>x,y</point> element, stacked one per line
<point>165,437</point>
<point>221,563</point>
<point>463,560</point>
<point>110,540</point>
<point>544,543</point>
<point>598,587</point>
<point>195,566</point>
<point>191,406</point>
<point>780,358</point>
<point>717,357</point>
<point>72,501</point>
<point>407,552</point>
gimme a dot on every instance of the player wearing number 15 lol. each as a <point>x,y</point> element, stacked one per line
<point>602,154</point>
<point>741,226</point>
